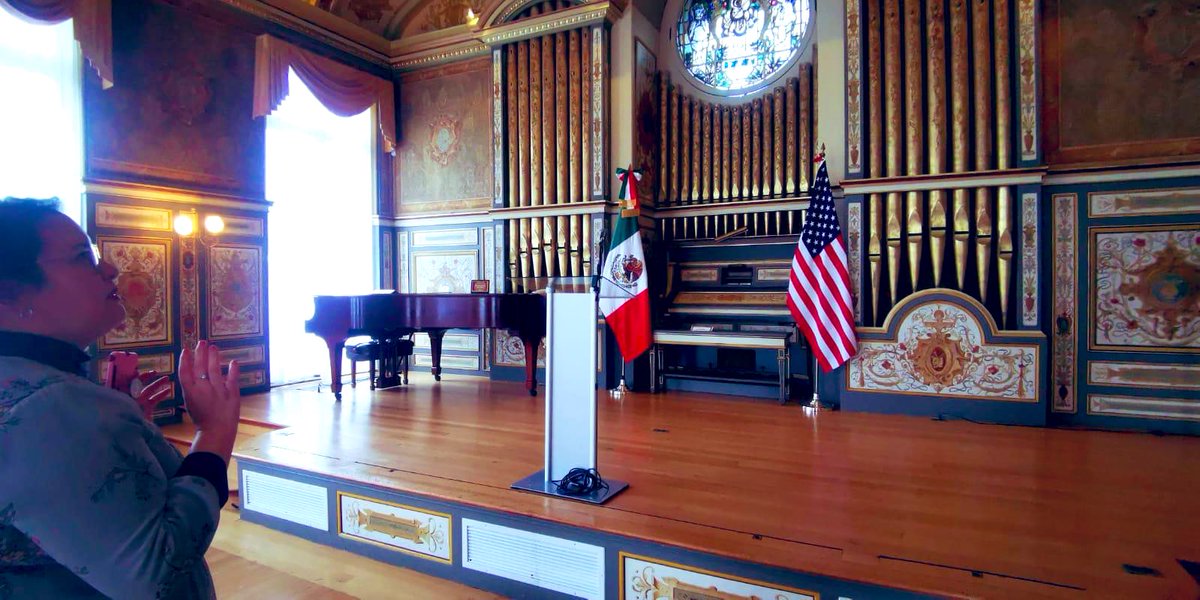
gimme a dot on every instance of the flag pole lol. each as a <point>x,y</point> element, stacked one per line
<point>621,388</point>
<point>816,403</point>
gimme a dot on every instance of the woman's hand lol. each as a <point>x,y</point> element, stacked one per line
<point>213,400</point>
<point>151,394</point>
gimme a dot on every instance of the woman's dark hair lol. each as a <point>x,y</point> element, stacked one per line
<point>21,243</point>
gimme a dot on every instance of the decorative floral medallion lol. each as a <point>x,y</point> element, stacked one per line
<point>510,351</point>
<point>445,133</point>
<point>144,285</point>
<point>940,349</point>
<point>1147,288</point>
<point>235,291</point>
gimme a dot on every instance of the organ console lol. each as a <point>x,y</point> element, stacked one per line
<point>393,315</point>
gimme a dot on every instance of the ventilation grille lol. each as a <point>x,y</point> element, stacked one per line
<point>547,562</point>
<point>285,499</point>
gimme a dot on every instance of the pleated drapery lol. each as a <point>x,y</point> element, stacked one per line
<point>92,21</point>
<point>342,89</point>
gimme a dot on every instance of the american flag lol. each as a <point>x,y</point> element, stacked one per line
<point>819,290</point>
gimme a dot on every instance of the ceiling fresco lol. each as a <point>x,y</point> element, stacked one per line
<point>394,19</point>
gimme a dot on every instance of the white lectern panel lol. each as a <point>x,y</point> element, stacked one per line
<point>570,381</point>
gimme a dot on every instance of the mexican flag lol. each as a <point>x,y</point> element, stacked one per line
<point>624,294</point>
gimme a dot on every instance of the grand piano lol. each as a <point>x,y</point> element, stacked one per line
<point>391,315</point>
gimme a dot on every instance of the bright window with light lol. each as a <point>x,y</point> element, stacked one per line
<point>321,183</point>
<point>41,144</point>
<point>737,45</point>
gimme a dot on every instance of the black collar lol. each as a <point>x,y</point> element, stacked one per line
<point>48,351</point>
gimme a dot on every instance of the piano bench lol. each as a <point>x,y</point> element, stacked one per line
<point>373,352</point>
<point>368,351</point>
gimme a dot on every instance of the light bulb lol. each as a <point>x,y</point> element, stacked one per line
<point>184,225</point>
<point>214,224</point>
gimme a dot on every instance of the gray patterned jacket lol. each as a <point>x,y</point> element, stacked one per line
<point>89,502</point>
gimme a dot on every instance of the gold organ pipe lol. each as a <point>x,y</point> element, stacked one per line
<point>806,122</point>
<point>1004,133</point>
<point>706,153</point>
<point>589,268</point>
<point>915,132</point>
<point>778,169</point>
<point>756,153</point>
<point>549,126</point>
<point>735,154</point>
<point>768,153</point>
<point>522,174</point>
<point>936,96</point>
<point>675,147</point>
<point>874,88</point>
<point>697,157</point>
<point>718,153</point>
<point>892,81</point>
<point>982,37</point>
<point>685,153</point>
<point>562,123</point>
<point>574,69</point>
<point>793,151</point>
<point>747,111</point>
<point>960,131</point>
<point>512,138</point>
<point>575,179</point>
<point>727,154</point>
<point>535,152</point>
<point>549,152</point>
<point>585,114</point>
<point>664,152</point>
<point>875,234</point>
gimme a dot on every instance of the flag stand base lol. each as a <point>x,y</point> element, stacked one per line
<point>620,390</point>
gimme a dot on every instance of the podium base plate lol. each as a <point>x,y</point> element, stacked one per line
<point>537,484</point>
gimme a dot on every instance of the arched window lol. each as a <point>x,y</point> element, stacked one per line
<point>736,45</point>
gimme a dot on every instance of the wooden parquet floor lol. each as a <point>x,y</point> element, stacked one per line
<point>939,506</point>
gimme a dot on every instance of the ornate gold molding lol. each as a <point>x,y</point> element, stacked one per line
<point>156,193</point>
<point>319,25</point>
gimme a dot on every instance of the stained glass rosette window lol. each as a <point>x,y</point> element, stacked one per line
<point>732,45</point>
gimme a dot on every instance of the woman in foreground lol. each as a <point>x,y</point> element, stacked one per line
<point>93,501</point>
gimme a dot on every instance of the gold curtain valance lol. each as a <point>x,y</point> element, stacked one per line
<point>92,24</point>
<point>342,89</point>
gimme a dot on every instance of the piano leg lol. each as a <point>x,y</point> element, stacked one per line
<point>784,375</point>
<point>335,368</point>
<point>531,352</point>
<point>435,351</point>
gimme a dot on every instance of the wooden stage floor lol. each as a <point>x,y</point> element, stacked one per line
<point>951,508</point>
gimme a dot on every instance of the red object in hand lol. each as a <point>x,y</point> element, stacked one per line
<point>121,373</point>
<point>120,369</point>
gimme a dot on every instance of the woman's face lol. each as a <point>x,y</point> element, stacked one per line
<point>78,299</point>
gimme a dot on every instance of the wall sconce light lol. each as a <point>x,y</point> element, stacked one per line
<point>214,224</point>
<point>472,18</point>
<point>186,225</point>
